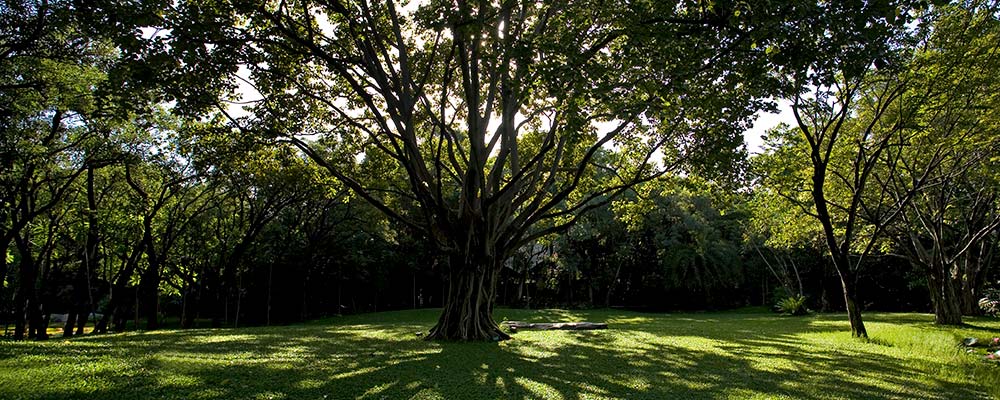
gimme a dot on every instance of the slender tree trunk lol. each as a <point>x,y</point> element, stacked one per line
<point>239,301</point>
<point>5,240</point>
<point>847,282</point>
<point>842,264</point>
<point>468,307</point>
<point>118,305</point>
<point>184,304</point>
<point>611,287</point>
<point>101,325</point>
<point>149,282</point>
<point>270,273</point>
<point>84,294</point>
<point>854,312</point>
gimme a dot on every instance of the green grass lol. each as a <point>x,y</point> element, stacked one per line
<point>654,356</point>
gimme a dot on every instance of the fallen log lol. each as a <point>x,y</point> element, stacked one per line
<point>551,326</point>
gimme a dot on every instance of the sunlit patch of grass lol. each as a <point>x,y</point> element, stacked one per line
<point>745,354</point>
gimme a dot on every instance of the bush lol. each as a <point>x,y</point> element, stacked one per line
<point>793,305</point>
<point>990,304</point>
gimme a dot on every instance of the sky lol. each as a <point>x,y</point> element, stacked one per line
<point>765,121</point>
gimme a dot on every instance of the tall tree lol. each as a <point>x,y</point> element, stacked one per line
<point>947,229</point>
<point>494,112</point>
<point>850,70</point>
<point>48,74</point>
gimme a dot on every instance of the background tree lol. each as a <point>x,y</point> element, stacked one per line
<point>948,228</point>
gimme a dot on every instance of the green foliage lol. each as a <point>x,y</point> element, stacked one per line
<point>990,303</point>
<point>793,305</point>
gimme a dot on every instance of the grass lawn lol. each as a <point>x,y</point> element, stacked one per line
<point>654,356</point>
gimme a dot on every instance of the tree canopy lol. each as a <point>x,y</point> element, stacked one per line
<point>236,162</point>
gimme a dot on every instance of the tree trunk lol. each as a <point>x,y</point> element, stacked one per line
<point>611,287</point>
<point>27,313</point>
<point>851,303</point>
<point>114,313</point>
<point>150,284</point>
<point>969,294</point>
<point>468,307</point>
<point>947,303</point>
<point>977,265</point>
<point>39,330</point>
<point>81,321</point>
<point>70,325</point>
<point>5,240</point>
<point>84,293</point>
<point>854,313</point>
<point>187,317</point>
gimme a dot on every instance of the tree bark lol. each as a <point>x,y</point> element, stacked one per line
<point>150,284</point>
<point>114,314</point>
<point>975,276</point>
<point>27,315</point>
<point>946,301</point>
<point>81,321</point>
<point>91,256</point>
<point>853,311</point>
<point>611,287</point>
<point>150,280</point>
<point>468,307</point>
<point>5,240</point>
<point>70,325</point>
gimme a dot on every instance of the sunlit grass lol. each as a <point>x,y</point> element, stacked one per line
<point>654,356</point>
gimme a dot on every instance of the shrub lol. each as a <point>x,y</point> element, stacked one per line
<point>793,305</point>
<point>990,303</point>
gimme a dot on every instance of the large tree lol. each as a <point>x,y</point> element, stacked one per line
<point>841,99</point>
<point>948,229</point>
<point>495,112</point>
<point>48,134</point>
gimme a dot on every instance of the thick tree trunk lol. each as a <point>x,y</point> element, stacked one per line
<point>970,304</point>
<point>38,330</point>
<point>970,297</point>
<point>27,311</point>
<point>468,307</point>
<point>946,300</point>
<point>81,321</point>
<point>187,317</point>
<point>150,284</point>
<point>70,325</point>
<point>974,278</point>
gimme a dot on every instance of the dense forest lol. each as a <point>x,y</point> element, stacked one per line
<point>228,163</point>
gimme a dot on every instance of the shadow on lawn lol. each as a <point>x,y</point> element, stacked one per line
<point>388,361</point>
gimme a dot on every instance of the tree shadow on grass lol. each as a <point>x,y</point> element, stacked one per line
<point>650,357</point>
